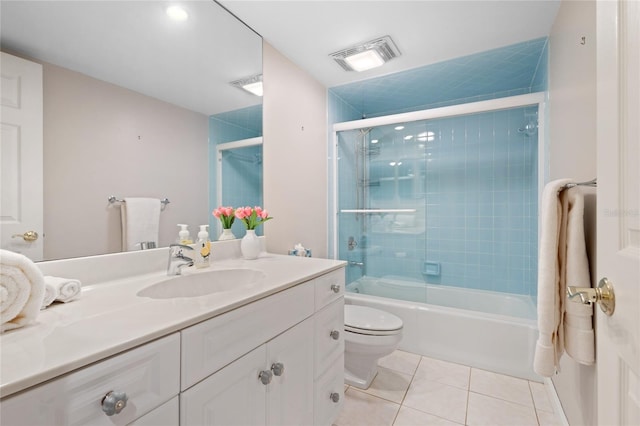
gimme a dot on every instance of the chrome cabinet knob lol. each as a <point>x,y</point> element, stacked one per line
<point>335,334</point>
<point>335,397</point>
<point>29,236</point>
<point>114,402</point>
<point>265,377</point>
<point>335,288</point>
<point>277,368</point>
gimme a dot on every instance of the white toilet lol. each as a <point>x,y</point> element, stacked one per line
<point>370,334</point>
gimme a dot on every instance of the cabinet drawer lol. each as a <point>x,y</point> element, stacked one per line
<point>209,346</point>
<point>326,409</point>
<point>329,287</point>
<point>149,375</point>
<point>329,335</point>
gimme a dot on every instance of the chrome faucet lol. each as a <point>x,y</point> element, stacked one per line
<point>177,259</point>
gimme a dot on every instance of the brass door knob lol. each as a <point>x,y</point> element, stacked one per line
<point>29,236</point>
<point>603,295</point>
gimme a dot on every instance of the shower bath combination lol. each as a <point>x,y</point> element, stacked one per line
<point>436,214</point>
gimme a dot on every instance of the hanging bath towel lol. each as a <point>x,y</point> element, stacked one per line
<point>140,222</point>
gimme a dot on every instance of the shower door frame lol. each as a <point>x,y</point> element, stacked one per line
<point>530,99</point>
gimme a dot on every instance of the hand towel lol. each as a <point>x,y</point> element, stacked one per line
<point>21,290</point>
<point>551,288</point>
<point>50,294</point>
<point>66,289</point>
<point>579,337</point>
<point>140,222</point>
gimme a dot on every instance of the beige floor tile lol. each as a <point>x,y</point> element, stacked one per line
<point>404,362</point>
<point>410,417</point>
<point>389,384</point>
<point>485,410</point>
<point>501,386</point>
<point>435,398</point>
<point>548,419</point>
<point>367,410</point>
<point>540,397</point>
<point>444,372</point>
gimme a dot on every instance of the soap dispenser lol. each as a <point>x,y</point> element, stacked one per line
<point>183,235</point>
<point>203,248</point>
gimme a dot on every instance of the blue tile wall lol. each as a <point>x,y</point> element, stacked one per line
<point>473,186</point>
<point>242,169</point>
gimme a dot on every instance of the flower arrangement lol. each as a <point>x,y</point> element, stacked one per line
<point>226,216</point>
<point>252,217</point>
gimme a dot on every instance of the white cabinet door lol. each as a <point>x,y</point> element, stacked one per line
<point>232,396</point>
<point>290,393</point>
<point>618,340</point>
<point>21,156</point>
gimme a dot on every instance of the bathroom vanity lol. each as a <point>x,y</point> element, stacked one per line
<point>267,352</point>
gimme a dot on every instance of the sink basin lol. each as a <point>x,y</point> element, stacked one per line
<point>201,284</point>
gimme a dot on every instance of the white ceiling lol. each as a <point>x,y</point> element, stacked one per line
<point>426,31</point>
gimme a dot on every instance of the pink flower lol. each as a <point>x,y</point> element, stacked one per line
<point>217,213</point>
<point>263,214</point>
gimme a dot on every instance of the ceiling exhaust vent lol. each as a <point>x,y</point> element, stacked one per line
<point>367,55</point>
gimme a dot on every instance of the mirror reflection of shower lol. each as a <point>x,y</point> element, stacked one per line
<point>239,178</point>
<point>530,126</point>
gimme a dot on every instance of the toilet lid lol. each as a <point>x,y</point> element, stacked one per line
<point>365,320</point>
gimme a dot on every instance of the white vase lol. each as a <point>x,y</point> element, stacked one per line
<point>226,235</point>
<point>250,245</point>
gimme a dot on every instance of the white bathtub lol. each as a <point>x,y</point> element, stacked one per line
<point>480,328</point>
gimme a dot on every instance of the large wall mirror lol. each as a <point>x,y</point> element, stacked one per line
<point>134,104</point>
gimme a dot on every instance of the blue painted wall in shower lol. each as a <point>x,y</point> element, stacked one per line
<point>242,180</point>
<point>479,203</point>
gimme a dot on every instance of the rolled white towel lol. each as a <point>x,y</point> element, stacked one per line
<point>67,289</point>
<point>21,290</point>
<point>50,294</point>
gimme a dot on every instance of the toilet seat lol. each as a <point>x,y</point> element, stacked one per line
<point>370,321</point>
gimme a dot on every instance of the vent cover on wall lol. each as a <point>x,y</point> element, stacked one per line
<point>367,55</point>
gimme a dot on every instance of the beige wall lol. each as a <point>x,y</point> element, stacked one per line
<point>295,156</point>
<point>102,140</point>
<point>572,96</point>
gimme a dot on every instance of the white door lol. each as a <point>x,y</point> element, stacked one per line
<point>234,396</point>
<point>21,157</point>
<point>618,338</point>
<point>290,393</point>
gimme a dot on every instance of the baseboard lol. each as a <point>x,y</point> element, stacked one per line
<point>555,401</point>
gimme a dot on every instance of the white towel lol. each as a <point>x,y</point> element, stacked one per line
<point>579,337</point>
<point>140,222</point>
<point>559,241</point>
<point>50,294</point>
<point>21,290</point>
<point>66,289</point>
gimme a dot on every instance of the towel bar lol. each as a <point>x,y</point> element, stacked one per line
<point>593,183</point>
<point>112,199</point>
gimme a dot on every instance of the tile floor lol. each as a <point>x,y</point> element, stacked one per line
<point>414,390</point>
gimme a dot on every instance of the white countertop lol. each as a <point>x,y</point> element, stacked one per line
<point>110,318</point>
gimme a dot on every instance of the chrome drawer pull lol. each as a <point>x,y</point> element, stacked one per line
<point>335,397</point>
<point>335,288</point>
<point>114,402</point>
<point>335,334</point>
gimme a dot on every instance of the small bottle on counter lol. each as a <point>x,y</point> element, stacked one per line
<point>184,236</point>
<point>203,248</point>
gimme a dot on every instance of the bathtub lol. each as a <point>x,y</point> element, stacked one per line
<point>484,329</point>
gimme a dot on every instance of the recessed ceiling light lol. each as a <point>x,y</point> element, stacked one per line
<point>374,140</point>
<point>177,13</point>
<point>367,55</point>
<point>408,137</point>
<point>251,84</point>
<point>399,127</point>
